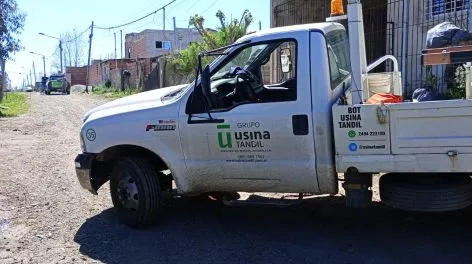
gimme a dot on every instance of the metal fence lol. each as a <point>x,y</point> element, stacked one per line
<point>391,29</point>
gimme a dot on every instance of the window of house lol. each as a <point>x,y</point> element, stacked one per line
<point>164,45</point>
<point>440,7</point>
<point>339,57</point>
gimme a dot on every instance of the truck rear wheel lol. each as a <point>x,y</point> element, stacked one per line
<point>135,192</point>
<point>426,192</point>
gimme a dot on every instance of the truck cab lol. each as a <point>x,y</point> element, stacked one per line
<point>266,127</point>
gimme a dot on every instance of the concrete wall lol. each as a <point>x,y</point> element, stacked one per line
<point>143,44</point>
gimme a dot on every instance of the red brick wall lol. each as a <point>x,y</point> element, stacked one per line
<point>101,71</point>
<point>77,75</point>
<point>136,45</point>
<point>95,74</point>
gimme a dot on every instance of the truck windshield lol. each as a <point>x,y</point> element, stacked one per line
<point>55,78</point>
<point>243,59</point>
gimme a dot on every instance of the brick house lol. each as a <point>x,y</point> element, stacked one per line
<point>153,43</point>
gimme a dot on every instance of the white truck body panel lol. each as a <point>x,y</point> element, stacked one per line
<point>417,137</point>
<point>431,127</point>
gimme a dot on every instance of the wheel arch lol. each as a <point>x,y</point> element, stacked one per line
<point>106,159</point>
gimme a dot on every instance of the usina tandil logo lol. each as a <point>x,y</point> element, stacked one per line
<point>352,134</point>
<point>241,139</point>
<point>222,134</point>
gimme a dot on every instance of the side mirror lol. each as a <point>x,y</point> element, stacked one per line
<point>285,60</point>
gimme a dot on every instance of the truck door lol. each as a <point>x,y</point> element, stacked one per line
<point>259,139</point>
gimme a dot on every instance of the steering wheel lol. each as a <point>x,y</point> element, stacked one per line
<point>244,88</point>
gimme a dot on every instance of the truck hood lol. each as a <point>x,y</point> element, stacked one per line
<point>140,100</point>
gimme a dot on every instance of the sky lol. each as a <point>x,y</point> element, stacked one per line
<point>70,14</point>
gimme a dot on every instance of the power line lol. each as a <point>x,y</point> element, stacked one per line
<point>175,6</point>
<point>196,1</point>
<point>136,20</point>
<point>78,36</point>
<point>206,10</point>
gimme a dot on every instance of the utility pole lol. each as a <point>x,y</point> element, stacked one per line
<point>121,42</point>
<point>114,35</point>
<point>175,35</point>
<point>88,64</point>
<point>164,23</point>
<point>34,72</point>
<point>44,66</point>
<point>260,25</point>
<point>31,78</point>
<point>60,48</point>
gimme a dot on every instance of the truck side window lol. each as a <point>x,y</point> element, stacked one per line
<point>258,73</point>
<point>339,58</point>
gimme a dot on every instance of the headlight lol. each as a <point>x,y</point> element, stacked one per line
<point>82,143</point>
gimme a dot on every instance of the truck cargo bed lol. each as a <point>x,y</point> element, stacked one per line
<point>439,133</point>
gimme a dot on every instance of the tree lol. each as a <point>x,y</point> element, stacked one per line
<point>73,46</point>
<point>226,34</point>
<point>11,24</point>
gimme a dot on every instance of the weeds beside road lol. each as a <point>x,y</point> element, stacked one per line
<point>46,217</point>
<point>14,104</point>
<point>114,93</point>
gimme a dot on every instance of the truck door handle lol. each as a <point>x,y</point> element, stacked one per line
<point>300,125</point>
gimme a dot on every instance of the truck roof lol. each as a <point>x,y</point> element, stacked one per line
<point>323,27</point>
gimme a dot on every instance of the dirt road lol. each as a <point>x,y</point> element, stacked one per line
<point>45,217</point>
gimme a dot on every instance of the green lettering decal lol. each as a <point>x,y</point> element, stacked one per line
<point>229,143</point>
<point>228,140</point>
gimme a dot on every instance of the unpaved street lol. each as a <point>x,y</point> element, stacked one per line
<point>45,216</point>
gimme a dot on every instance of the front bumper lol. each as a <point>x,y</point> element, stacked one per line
<point>83,169</point>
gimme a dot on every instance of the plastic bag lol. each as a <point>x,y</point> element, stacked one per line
<point>424,95</point>
<point>386,98</point>
<point>446,34</point>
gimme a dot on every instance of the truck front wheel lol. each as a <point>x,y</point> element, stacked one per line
<point>135,192</point>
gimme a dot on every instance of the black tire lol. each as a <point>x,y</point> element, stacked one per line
<point>147,193</point>
<point>426,193</point>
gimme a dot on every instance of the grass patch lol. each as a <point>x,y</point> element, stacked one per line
<point>14,104</point>
<point>114,92</point>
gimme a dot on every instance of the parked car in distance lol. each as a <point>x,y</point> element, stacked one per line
<point>57,83</point>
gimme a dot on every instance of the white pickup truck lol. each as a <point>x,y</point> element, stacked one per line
<point>281,110</point>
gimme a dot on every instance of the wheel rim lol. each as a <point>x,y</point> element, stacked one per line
<point>128,194</point>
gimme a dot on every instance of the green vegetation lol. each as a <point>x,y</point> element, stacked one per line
<point>457,87</point>
<point>12,21</point>
<point>186,61</point>
<point>14,104</point>
<point>112,92</point>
